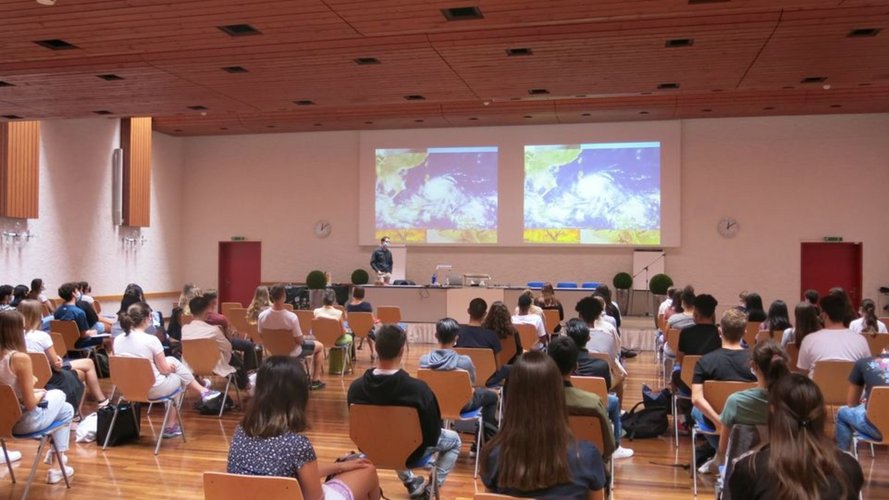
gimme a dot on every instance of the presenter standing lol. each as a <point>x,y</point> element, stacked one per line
<point>381,261</point>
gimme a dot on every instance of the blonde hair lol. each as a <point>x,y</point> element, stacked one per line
<point>260,301</point>
<point>186,297</point>
<point>32,311</point>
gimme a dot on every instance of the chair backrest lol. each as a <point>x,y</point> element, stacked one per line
<point>305,318</point>
<point>877,342</point>
<point>361,323</point>
<point>661,322</point>
<point>507,350</point>
<point>484,361</point>
<point>288,306</point>
<point>717,391</point>
<point>742,439</point>
<point>878,410</point>
<point>452,389</point>
<point>551,320</point>
<point>97,306</point>
<point>278,342</point>
<point>750,333</point>
<point>388,435</point>
<point>590,284</point>
<point>202,355</point>
<point>687,371</point>
<point>389,314</point>
<point>40,365</point>
<point>587,428</point>
<point>672,336</point>
<point>596,385</point>
<point>58,344</point>
<point>237,318</point>
<point>185,319</point>
<point>832,377</point>
<point>226,307</point>
<point>528,335</point>
<point>133,377</point>
<point>10,411</point>
<point>536,284</point>
<point>566,284</point>
<point>69,331</point>
<point>222,486</point>
<point>327,331</point>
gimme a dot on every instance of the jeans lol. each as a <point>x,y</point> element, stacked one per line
<point>487,401</point>
<point>41,418</point>
<point>703,422</point>
<point>448,449</point>
<point>99,327</point>
<point>851,419</point>
<point>614,415</point>
<point>180,378</point>
<point>248,352</point>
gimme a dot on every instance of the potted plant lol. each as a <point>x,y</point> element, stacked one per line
<point>659,283</point>
<point>316,282</point>
<point>360,277</point>
<point>622,283</point>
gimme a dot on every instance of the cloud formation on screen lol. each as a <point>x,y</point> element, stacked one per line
<point>437,195</point>
<point>593,193</point>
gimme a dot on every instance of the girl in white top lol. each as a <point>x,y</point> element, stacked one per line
<point>868,322</point>
<point>169,373</point>
<point>327,309</point>
<point>40,408</point>
<point>37,340</point>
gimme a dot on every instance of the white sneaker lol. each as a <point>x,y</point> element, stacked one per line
<point>50,457</point>
<point>14,456</point>
<point>622,452</point>
<point>709,467</point>
<point>208,395</point>
<point>54,476</point>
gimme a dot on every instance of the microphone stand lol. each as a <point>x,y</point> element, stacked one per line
<point>647,290</point>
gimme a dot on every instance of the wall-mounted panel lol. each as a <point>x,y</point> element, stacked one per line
<point>19,169</point>
<point>135,140</point>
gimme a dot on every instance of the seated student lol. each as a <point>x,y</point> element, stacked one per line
<point>548,300</point>
<point>535,431</point>
<point>389,385</point>
<point>358,304</point>
<point>278,317</point>
<point>169,373</point>
<point>473,334</point>
<point>38,293</point>
<point>601,339</point>
<point>242,345</point>
<point>328,309</point>
<point>698,339</point>
<point>269,441</point>
<point>499,321</point>
<point>19,293</point>
<point>587,366</point>
<point>683,318</point>
<point>526,317</point>
<point>751,406</point>
<point>446,358</point>
<point>533,308</point>
<point>68,311</point>
<point>800,462</point>
<point>668,301</point>
<point>37,340</point>
<point>6,298</point>
<point>754,308</point>
<point>811,296</point>
<point>866,374</point>
<point>39,407</point>
<point>731,362</point>
<point>564,352</point>
<point>806,320</point>
<point>92,317</point>
<point>777,319</point>
<point>199,328</point>
<point>848,311</point>
<point>834,341</point>
<point>868,322</point>
<point>612,310</point>
<point>259,303</point>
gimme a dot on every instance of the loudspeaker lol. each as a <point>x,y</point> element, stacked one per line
<point>117,186</point>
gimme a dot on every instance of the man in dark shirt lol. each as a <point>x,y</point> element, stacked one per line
<point>389,385</point>
<point>866,374</point>
<point>381,261</point>
<point>473,335</point>
<point>70,312</point>
<point>698,339</point>
<point>244,346</point>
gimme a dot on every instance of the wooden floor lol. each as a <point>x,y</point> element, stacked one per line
<point>133,471</point>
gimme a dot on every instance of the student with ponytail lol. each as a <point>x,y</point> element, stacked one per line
<point>868,322</point>
<point>800,462</point>
<point>169,373</point>
<point>751,406</point>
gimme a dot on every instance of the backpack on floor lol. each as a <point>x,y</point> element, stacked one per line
<point>645,423</point>
<point>211,407</point>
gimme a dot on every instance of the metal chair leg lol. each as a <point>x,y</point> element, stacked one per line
<point>8,462</point>
<point>111,426</point>
<point>169,405</point>
<point>228,381</point>
<point>34,467</point>
<point>58,456</point>
<point>179,413</point>
<point>479,440</point>
<point>675,423</point>
<point>694,461</point>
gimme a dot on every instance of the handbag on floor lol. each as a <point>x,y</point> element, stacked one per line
<point>126,427</point>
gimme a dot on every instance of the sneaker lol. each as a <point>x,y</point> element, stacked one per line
<point>709,467</point>
<point>416,486</point>
<point>14,456</point>
<point>172,432</point>
<point>318,385</point>
<point>210,395</point>
<point>622,452</point>
<point>473,450</point>
<point>206,383</point>
<point>54,476</point>
<point>50,457</point>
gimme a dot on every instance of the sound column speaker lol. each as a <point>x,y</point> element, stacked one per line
<point>117,186</point>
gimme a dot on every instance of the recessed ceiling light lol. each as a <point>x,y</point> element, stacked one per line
<point>177,130</point>
<point>814,79</point>
<point>519,51</point>
<point>836,105</point>
<point>527,117</point>
<point>317,124</point>
<point>538,91</point>
<point>864,32</point>
<point>698,2</point>
<point>768,108</point>
<point>676,43</point>
<point>668,86</point>
<point>706,110</point>
<point>365,61</point>
<point>223,128</point>
<point>585,114</point>
<point>643,112</point>
<point>368,123</point>
<point>304,102</point>
<point>110,77</point>
<point>864,84</point>
<point>239,30</point>
<point>269,126</point>
<point>198,108</point>
<point>418,121</point>
<point>55,44</point>
<point>473,119</point>
<point>6,84</point>
<point>11,117</point>
<point>788,87</point>
<point>414,97</point>
<point>235,69</point>
<point>716,90</point>
<point>102,112</point>
<point>462,13</point>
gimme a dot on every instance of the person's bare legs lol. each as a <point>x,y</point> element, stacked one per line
<point>88,369</point>
<point>363,482</point>
<point>317,360</point>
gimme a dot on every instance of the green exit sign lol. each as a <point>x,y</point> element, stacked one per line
<point>833,239</point>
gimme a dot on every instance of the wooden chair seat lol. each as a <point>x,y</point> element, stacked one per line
<point>223,486</point>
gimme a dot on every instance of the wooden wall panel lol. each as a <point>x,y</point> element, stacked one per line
<point>135,141</point>
<point>19,169</point>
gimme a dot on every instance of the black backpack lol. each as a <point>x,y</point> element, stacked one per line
<point>645,423</point>
<point>212,406</point>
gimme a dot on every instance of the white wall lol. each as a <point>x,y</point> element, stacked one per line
<point>75,236</point>
<point>786,179</point>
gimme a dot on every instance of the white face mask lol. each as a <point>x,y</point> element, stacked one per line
<point>385,243</point>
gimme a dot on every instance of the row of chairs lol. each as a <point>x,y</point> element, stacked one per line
<point>566,284</point>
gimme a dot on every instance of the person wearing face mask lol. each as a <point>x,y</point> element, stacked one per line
<point>381,261</point>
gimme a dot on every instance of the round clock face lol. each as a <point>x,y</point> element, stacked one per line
<point>323,228</point>
<point>728,227</point>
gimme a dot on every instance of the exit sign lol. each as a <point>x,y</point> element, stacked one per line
<point>833,239</point>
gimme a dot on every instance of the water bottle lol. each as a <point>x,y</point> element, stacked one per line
<point>434,278</point>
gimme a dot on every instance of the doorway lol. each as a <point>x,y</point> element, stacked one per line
<point>240,270</point>
<point>826,265</point>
